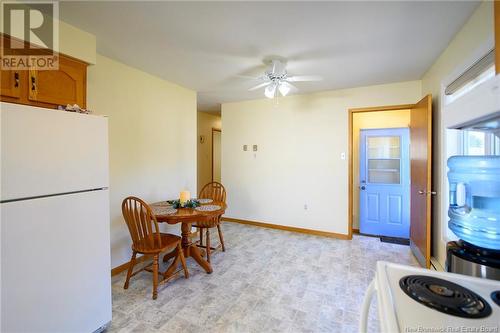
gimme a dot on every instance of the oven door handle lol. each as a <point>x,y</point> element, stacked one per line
<point>365,308</point>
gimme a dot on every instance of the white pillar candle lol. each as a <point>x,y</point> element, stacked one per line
<point>184,196</point>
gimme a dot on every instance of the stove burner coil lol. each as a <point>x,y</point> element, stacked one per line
<point>495,296</point>
<point>445,296</point>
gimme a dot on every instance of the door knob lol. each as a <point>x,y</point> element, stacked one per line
<point>363,187</point>
<point>427,192</point>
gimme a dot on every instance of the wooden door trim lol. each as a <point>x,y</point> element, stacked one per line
<point>383,108</point>
<point>352,111</point>
<point>212,160</point>
<point>429,179</point>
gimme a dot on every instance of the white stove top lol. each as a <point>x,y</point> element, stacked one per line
<point>399,312</point>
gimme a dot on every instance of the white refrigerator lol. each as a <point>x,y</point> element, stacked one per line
<point>55,246</point>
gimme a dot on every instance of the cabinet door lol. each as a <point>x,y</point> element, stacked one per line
<point>10,84</point>
<point>64,86</point>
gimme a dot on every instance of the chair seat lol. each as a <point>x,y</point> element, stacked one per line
<point>166,241</point>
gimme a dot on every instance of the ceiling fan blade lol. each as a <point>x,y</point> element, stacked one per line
<point>260,86</point>
<point>304,78</point>
<point>246,77</point>
<point>293,88</point>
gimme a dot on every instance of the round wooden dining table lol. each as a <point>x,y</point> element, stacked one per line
<point>164,212</point>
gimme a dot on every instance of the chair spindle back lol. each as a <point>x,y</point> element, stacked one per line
<point>141,222</point>
<point>214,191</point>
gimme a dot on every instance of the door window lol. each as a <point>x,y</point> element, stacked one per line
<point>384,159</point>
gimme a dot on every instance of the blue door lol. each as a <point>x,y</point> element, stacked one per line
<point>384,182</point>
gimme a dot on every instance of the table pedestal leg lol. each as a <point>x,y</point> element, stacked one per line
<point>196,255</point>
<point>190,250</point>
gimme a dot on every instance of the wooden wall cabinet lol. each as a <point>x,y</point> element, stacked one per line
<point>64,86</point>
<point>46,88</point>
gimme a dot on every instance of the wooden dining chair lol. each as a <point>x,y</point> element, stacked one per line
<point>148,240</point>
<point>216,192</point>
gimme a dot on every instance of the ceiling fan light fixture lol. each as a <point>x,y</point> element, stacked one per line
<point>270,91</point>
<point>284,88</point>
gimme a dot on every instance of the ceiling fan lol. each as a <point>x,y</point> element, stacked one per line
<point>277,80</point>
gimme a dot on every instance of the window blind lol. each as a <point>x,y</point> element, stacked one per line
<point>471,73</point>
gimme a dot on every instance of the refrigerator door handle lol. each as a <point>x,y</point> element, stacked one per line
<point>365,308</point>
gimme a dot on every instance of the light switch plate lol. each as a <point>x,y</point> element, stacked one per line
<point>254,147</point>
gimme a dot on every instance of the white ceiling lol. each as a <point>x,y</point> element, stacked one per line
<point>208,46</point>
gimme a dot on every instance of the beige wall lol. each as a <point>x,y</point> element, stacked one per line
<point>152,139</point>
<point>300,140</point>
<point>152,132</point>
<point>77,43</point>
<point>298,162</point>
<point>206,122</point>
<point>471,42</point>
<point>366,120</point>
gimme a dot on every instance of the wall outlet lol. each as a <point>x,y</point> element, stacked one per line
<point>245,147</point>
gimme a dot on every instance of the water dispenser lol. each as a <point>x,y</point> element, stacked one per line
<point>474,213</point>
<point>475,199</point>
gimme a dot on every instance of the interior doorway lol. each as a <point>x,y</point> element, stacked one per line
<point>216,155</point>
<point>419,124</point>
<point>364,121</point>
<point>206,123</point>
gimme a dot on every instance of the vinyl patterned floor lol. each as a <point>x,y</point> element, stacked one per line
<point>266,281</point>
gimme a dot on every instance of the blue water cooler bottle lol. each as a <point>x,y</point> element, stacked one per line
<point>474,213</point>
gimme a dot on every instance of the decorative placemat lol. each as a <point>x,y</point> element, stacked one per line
<point>163,210</point>
<point>205,201</point>
<point>162,203</point>
<point>207,208</point>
